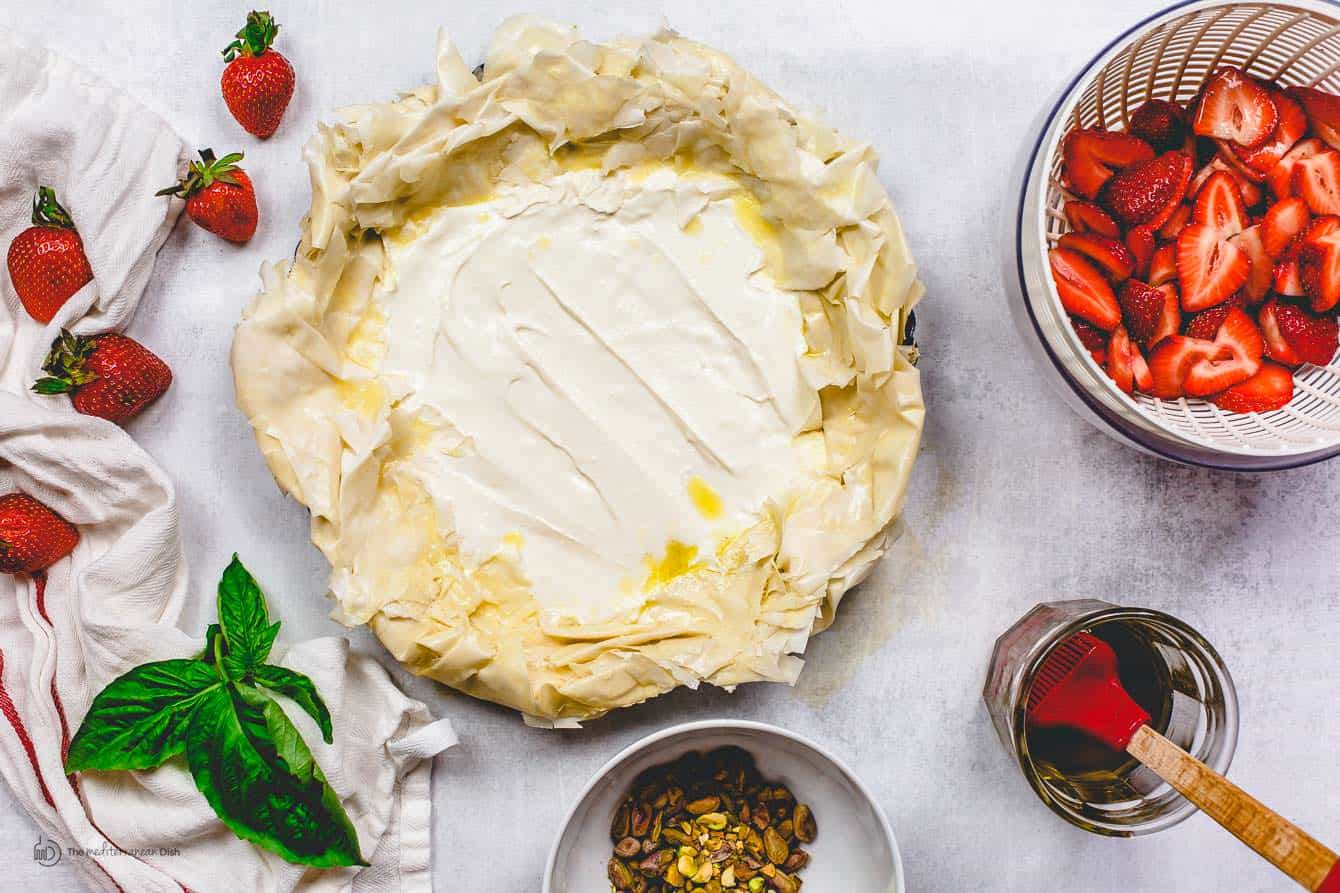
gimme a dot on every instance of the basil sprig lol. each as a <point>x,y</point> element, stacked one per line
<point>244,753</point>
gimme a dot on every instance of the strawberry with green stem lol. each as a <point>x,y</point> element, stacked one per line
<point>258,82</point>
<point>109,376</point>
<point>46,261</point>
<point>219,196</point>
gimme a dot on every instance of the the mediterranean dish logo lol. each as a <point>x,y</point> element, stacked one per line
<point>48,852</point>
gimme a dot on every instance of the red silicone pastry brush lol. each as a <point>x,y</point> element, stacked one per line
<point>1077,687</point>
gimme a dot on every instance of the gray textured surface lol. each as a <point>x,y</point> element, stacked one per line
<point>1014,500</point>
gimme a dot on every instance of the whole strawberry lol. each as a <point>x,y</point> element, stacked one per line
<point>109,376</point>
<point>219,196</point>
<point>258,82</point>
<point>32,536</point>
<point>46,261</point>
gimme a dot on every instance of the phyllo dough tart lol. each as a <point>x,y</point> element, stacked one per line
<point>589,370</point>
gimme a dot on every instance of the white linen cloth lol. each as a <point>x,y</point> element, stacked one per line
<point>114,603</point>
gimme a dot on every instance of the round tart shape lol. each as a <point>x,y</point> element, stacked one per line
<point>589,371</point>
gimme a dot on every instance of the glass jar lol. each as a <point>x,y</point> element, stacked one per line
<point>1193,703</point>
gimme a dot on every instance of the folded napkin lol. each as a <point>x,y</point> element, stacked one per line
<point>114,603</point>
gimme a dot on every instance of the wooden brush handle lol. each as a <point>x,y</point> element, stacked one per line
<point>1278,840</point>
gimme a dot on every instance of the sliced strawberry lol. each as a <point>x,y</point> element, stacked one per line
<point>1160,123</point>
<point>1236,357</point>
<point>1120,365</point>
<point>1219,204</point>
<point>1234,107</point>
<point>1251,192</point>
<point>1205,324</point>
<point>1153,313</point>
<point>1171,361</point>
<point>1310,338</point>
<point>1288,277</point>
<point>1148,193</point>
<point>1210,267</point>
<point>1277,346</point>
<point>1291,128</point>
<point>1093,339</point>
<point>1163,266</point>
<point>1319,263</point>
<point>1142,245</point>
<point>1262,275</point>
<point>1316,180</point>
<point>1126,365</point>
<point>1280,178</point>
<point>1111,256</point>
<point>1323,111</point>
<point>1285,221</point>
<point>1086,217</point>
<point>1083,290</point>
<point>1228,153</point>
<point>1150,314</point>
<point>1092,156</point>
<point>1176,223</point>
<point>1144,379</point>
<point>1171,321</point>
<point>1270,388</point>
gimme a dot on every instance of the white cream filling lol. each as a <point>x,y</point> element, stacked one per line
<point>625,386</point>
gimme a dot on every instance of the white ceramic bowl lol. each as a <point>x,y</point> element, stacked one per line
<point>855,851</point>
<point>1168,56</point>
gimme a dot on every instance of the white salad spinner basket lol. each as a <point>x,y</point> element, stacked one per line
<point>1167,57</point>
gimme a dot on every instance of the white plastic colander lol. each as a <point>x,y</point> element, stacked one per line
<point>1167,57</point>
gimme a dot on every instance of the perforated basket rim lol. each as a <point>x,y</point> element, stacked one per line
<point>1275,435</point>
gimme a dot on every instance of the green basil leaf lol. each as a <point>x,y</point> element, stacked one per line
<point>212,634</point>
<point>301,689</point>
<point>140,719</point>
<point>251,764</point>
<point>289,746</point>
<point>244,620</point>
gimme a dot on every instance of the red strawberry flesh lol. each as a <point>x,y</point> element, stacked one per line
<point>1093,156</point>
<point>1085,217</point>
<point>1262,275</point>
<point>1277,348</point>
<point>1211,268</point>
<point>1110,255</point>
<point>1219,204</point>
<point>1237,353</point>
<point>1083,290</point>
<point>1290,129</point>
<point>1234,107</point>
<point>1286,220</point>
<point>1280,178</point>
<point>1319,263</point>
<point>1316,180</point>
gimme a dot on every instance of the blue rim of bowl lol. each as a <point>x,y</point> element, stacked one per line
<point>704,725</point>
<point>1108,416</point>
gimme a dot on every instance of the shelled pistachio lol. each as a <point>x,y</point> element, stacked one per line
<point>709,823</point>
